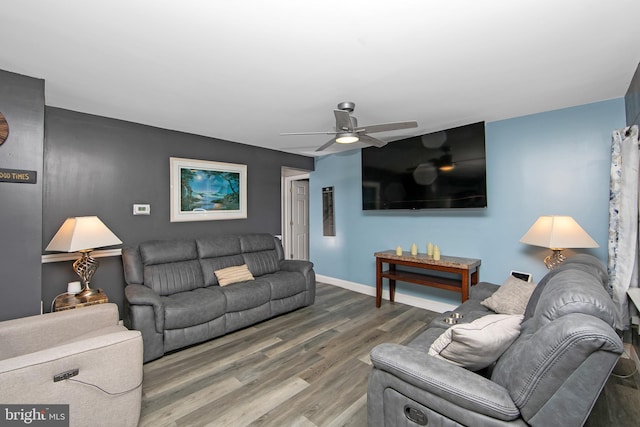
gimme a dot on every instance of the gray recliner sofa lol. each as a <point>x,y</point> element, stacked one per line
<point>551,375</point>
<point>174,299</point>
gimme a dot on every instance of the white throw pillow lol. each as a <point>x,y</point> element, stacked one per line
<point>229,275</point>
<point>478,344</point>
<point>510,298</point>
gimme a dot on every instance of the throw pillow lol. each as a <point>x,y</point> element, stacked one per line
<point>478,344</point>
<point>511,298</point>
<point>229,275</point>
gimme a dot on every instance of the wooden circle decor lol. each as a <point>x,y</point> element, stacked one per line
<point>4,129</point>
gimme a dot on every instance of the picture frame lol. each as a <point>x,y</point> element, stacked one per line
<point>203,190</point>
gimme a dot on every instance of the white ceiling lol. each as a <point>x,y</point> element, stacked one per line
<point>246,70</point>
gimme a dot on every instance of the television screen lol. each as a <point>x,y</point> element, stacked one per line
<point>440,170</point>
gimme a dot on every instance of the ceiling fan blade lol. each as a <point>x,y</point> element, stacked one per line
<point>327,145</point>
<point>343,121</point>
<point>309,133</point>
<point>372,141</point>
<point>387,127</point>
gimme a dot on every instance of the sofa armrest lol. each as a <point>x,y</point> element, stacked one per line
<point>107,386</point>
<point>142,295</point>
<point>457,385</point>
<point>298,265</point>
<point>50,329</point>
<point>306,269</point>
<point>482,290</point>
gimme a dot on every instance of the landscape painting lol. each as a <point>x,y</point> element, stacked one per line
<point>204,190</point>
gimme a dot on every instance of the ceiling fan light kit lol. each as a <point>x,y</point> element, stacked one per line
<point>347,130</point>
<point>347,138</point>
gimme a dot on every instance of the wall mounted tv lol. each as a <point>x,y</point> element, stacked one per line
<point>440,170</point>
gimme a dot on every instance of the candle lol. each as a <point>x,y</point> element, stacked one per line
<point>414,249</point>
<point>436,253</point>
<point>430,249</point>
<point>399,250</point>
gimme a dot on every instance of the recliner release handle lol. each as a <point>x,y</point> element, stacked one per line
<point>416,415</point>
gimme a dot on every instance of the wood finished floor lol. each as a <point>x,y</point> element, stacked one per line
<point>306,368</point>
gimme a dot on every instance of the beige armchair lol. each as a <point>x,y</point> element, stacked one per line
<point>107,388</point>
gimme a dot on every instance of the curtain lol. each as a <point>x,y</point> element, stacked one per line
<point>623,220</point>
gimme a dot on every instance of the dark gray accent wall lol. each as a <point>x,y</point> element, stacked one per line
<point>22,103</point>
<point>632,100</point>
<point>100,166</point>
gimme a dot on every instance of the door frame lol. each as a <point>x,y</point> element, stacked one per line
<point>288,176</point>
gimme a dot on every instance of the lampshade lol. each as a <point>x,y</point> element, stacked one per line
<point>82,233</point>
<point>558,232</point>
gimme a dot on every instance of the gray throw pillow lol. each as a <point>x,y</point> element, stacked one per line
<point>511,298</point>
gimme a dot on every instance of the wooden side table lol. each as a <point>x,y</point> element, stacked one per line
<point>69,301</point>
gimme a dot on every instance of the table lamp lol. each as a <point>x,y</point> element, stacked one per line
<point>557,233</point>
<point>83,234</point>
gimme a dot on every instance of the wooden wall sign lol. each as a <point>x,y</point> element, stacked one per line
<point>4,129</point>
<point>18,176</point>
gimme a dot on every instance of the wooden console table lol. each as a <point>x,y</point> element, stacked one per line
<point>466,268</point>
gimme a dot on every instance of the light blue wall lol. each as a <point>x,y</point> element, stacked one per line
<point>550,163</point>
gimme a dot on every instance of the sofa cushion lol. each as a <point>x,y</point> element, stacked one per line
<point>573,291</point>
<point>257,242</point>
<point>218,246</point>
<point>470,311</point>
<point>259,253</point>
<point>261,263</point>
<point>424,340</point>
<point>478,344</point>
<point>210,265</point>
<point>245,295</point>
<point>482,290</point>
<point>186,309</point>
<point>166,251</point>
<point>235,274</point>
<point>285,284</point>
<point>172,277</point>
<point>585,262</point>
<point>511,298</point>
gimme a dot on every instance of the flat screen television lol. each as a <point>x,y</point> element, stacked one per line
<point>440,170</point>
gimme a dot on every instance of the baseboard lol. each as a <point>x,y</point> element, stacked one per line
<point>427,304</point>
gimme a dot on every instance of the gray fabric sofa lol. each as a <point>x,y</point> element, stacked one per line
<point>173,296</point>
<point>551,375</point>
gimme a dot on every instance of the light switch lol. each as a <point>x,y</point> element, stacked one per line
<point>139,209</point>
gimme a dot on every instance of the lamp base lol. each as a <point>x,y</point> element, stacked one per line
<point>85,267</point>
<point>555,259</point>
<point>87,292</point>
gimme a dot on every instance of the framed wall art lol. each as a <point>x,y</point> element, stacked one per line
<point>203,190</point>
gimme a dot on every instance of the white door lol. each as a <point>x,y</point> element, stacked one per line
<point>300,219</point>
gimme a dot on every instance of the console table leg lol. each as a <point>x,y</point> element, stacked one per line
<point>378,282</point>
<point>474,276</point>
<point>392,283</point>
<point>465,285</point>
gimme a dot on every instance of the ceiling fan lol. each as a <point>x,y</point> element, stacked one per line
<point>347,129</point>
